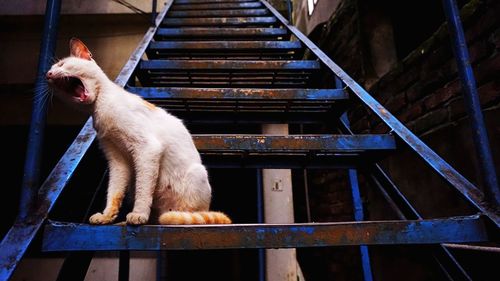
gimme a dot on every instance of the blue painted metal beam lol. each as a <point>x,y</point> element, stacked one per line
<point>215,6</point>
<point>225,45</point>
<point>19,237</point>
<point>221,32</point>
<point>293,143</point>
<point>207,1</point>
<point>470,192</point>
<point>219,13</point>
<point>60,236</point>
<point>472,103</point>
<point>31,176</point>
<point>214,94</point>
<point>229,64</point>
<point>233,21</point>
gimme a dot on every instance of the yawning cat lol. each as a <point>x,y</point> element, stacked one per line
<point>141,142</point>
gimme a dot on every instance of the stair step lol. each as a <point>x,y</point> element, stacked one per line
<point>234,65</point>
<point>227,73</point>
<point>225,21</point>
<point>226,45</point>
<point>221,32</point>
<point>232,105</point>
<point>292,151</point>
<point>60,236</point>
<point>242,50</point>
<point>216,6</point>
<point>218,13</point>
<point>208,1</point>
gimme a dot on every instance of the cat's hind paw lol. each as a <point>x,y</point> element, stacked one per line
<point>137,218</point>
<point>99,218</point>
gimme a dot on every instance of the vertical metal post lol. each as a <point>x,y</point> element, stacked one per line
<point>289,8</point>
<point>153,12</point>
<point>260,219</point>
<point>472,102</point>
<point>31,176</point>
<point>357,202</point>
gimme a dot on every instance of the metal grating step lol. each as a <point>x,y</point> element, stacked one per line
<point>225,49</point>
<point>209,1</point>
<point>232,105</point>
<point>292,151</point>
<point>226,21</point>
<point>218,13</point>
<point>199,33</point>
<point>60,236</point>
<point>227,73</point>
<point>216,6</point>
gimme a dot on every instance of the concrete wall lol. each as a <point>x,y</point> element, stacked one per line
<point>111,38</point>
<point>35,7</point>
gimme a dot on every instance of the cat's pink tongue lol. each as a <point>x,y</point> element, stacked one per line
<point>81,93</point>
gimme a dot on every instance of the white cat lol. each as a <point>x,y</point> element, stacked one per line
<point>141,142</point>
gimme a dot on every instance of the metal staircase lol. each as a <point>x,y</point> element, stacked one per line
<point>240,61</point>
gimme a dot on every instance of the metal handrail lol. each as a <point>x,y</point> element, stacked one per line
<point>447,172</point>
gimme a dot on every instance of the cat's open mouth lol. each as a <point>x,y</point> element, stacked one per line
<point>72,85</point>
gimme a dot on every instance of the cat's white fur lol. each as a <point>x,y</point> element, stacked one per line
<point>141,142</point>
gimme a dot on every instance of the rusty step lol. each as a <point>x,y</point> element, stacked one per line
<point>225,49</point>
<point>218,13</point>
<point>292,151</point>
<point>216,6</point>
<point>62,236</point>
<point>221,21</point>
<point>234,65</point>
<point>209,1</point>
<point>227,73</point>
<point>220,32</point>
<point>225,45</point>
<point>234,105</point>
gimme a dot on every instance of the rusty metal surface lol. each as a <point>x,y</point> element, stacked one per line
<point>446,171</point>
<point>232,21</point>
<point>80,237</point>
<point>207,1</point>
<point>216,94</point>
<point>219,13</point>
<point>293,143</point>
<point>225,45</point>
<point>293,151</point>
<point>222,32</point>
<point>229,65</point>
<point>215,6</point>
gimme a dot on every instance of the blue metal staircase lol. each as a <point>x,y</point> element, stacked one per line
<point>240,61</point>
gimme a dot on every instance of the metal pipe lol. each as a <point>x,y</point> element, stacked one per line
<point>31,176</point>
<point>153,12</point>
<point>356,200</point>
<point>289,8</point>
<point>260,219</point>
<point>472,247</point>
<point>472,102</point>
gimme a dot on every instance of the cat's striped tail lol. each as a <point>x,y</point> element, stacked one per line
<point>177,217</point>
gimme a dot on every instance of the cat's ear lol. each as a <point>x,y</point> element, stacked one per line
<point>79,50</point>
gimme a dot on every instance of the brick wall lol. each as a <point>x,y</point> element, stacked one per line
<point>423,91</point>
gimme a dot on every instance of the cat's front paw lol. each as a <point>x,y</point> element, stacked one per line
<point>99,218</point>
<point>137,218</point>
